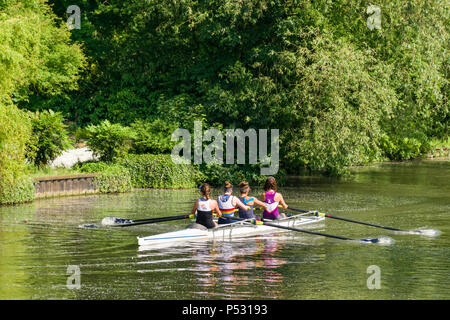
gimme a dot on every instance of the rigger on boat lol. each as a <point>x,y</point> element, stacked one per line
<point>228,225</point>
<point>205,210</point>
<point>240,228</point>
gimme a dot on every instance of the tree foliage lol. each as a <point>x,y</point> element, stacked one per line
<point>49,137</point>
<point>109,141</point>
<point>15,129</point>
<point>37,60</point>
<point>341,93</point>
<point>36,56</point>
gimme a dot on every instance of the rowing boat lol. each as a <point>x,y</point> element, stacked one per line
<point>225,231</point>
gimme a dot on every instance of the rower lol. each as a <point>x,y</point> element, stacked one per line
<point>204,208</point>
<point>272,198</point>
<point>244,188</point>
<point>227,204</point>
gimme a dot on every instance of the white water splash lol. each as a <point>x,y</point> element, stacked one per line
<point>109,221</point>
<point>422,232</point>
<point>385,240</point>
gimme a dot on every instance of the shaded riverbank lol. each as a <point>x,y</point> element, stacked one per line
<point>141,171</point>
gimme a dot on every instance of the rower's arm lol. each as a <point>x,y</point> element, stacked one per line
<point>282,202</point>
<point>215,207</point>
<point>260,203</point>
<point>194,209</point>
<point>240,204</point>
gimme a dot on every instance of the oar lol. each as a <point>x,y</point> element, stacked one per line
<point>130,222</point>
<point>424,232</point>
<point>121,222</point>
<point>257,222</point>
<point>326,215</point>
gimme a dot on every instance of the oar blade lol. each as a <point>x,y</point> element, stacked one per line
<point>121,222</point>
<point>383,240</point>
<point>422,232</point>
<point>373,240</point>
<point>110,221</point>
<point>88,226</point>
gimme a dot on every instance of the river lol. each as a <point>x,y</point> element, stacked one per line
<point>46,254</point>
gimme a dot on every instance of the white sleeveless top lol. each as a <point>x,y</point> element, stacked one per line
<point>204,204</point>
<point>226,207</point>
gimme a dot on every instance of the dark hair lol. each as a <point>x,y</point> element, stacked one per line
<point>227,186</point>
<point>205,190</point>
<point>271,183</point>
<point>244,186</point>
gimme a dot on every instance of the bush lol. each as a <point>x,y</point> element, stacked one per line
<point>49,137</point>
<point>22,190</point>
<point>113,177</point>
<point>216,174</point>
<point>109,141</point>
<point>404,148</point>
<point>159,171</point>
<point>152,136</point>
<point>15,129</point>
<point>91,167</point>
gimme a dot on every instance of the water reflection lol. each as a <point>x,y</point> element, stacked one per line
<point>227,269</point>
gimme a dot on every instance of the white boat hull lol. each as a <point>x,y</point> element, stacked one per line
<point>226,231</point>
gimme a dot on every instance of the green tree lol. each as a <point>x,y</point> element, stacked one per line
<point>37,58</point>
<point>15,129</point>
<point>109,141</point>
<point>49,137</point>
<point>341,93</point>
<point>36,55</point>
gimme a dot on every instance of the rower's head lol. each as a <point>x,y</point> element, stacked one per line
<point>270,184</point>
<point>227,187</point>
<point>205,190</point>
<point>244,187</point>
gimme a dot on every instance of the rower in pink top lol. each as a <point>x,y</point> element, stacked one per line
<point>272,198</point>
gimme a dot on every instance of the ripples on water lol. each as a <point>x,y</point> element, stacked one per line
<point>40,240</point>
<point>223,269</point>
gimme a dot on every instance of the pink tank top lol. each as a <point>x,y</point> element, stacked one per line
<point>272,206</point>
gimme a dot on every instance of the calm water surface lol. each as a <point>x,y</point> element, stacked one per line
<point>38,242</point>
